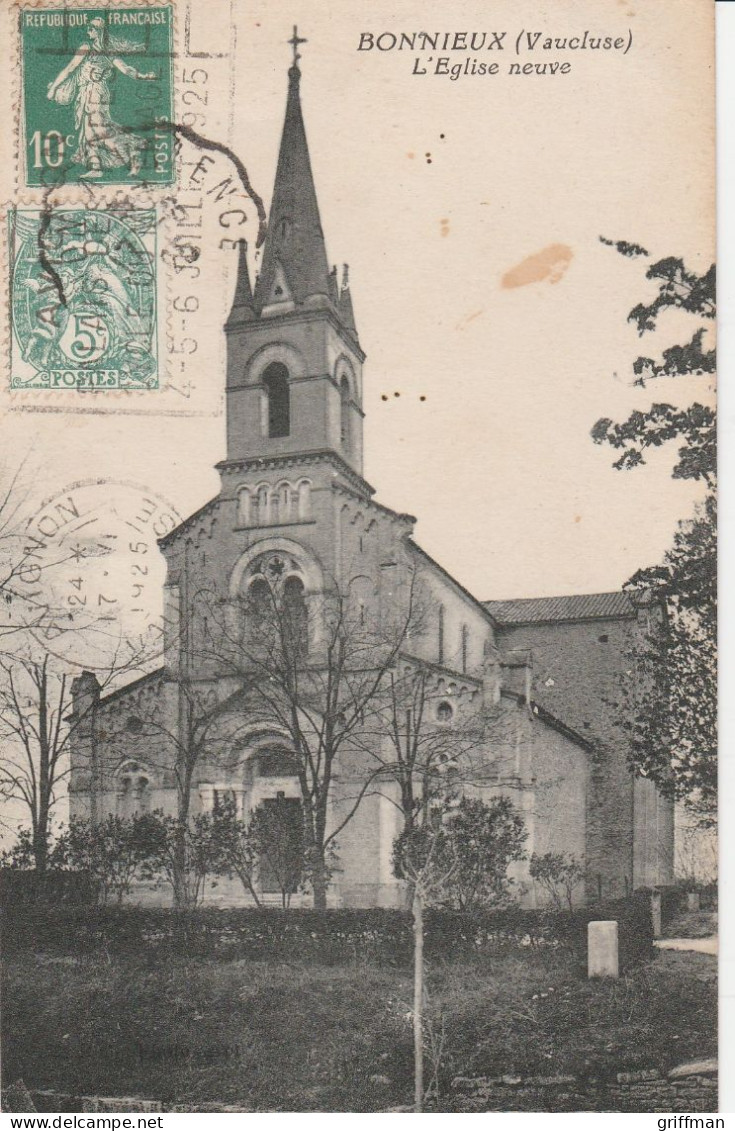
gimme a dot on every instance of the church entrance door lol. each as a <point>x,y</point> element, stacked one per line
<point>282,844</point>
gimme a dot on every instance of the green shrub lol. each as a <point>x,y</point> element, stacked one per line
<point>673,900</point>
<point>22,888</point>
<point>708,896</point>
<point>321,937</point>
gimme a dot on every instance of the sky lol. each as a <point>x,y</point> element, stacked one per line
<point>438,193</point>
<point>497,462</point>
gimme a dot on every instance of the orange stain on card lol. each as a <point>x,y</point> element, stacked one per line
<point>469,318</point>
<point>444,227</point>
<point>548,266</point>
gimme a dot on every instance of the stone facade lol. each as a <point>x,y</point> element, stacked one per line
<point>580,653</point>
<point>294,513</point>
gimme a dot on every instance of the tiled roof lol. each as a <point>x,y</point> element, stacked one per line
<point>535,610</point>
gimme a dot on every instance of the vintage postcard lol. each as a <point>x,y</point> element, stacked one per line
<point>358,558</point>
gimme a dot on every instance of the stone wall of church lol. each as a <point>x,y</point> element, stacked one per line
<point>364,874</point>
<point>456,634</point>
<point>557,801</point>
<point>576,674</point>
<point>546,775</point>
<point>122,763</point>
<point>334,537</point>
<point>653,840</point>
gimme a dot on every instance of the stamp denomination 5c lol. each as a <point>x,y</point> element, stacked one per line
<point>83,298</point>
<point>97,95</point>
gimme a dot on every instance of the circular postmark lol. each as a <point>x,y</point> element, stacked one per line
<point>91,577</point>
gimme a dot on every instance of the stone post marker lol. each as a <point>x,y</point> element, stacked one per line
<point>656,913</point>
<point>602,949</point>
<point>693,901</point>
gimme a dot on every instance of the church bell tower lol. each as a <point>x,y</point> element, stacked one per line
<point>294,362</point>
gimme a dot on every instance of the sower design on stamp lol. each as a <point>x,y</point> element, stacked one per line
<point>96,88</point>
<point>83,297</point>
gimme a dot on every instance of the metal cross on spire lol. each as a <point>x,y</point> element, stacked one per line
<point>295,41</point>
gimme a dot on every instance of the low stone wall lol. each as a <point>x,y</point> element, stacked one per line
<point>690,1087</point>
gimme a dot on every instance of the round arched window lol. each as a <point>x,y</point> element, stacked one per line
<point>277,391</point>
<point>344,396</point>
<point>133,790</point>
<point>445,712</point>
<point>259,598</point>
<point>295,615</point>
<point>276,762</point>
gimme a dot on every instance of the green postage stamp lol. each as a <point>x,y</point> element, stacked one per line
<point>83,299</point>
<point>97,95</point>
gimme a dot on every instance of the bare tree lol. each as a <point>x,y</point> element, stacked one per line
<point>438,729</point>
<point>18,610</point>
<point>313,667</point>
<point>33,704</point>
<point>37,728</point>
<point>424,856</point>
<point>336,683</point>
<point>175,733</point>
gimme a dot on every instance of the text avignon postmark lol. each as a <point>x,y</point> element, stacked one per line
<point>83,299</point>
<point>97,95</point>
<point>91,566</point>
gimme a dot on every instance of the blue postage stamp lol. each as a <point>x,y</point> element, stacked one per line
<point>83,299</point>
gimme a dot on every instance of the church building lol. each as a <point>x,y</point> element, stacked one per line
<point>295,518</point>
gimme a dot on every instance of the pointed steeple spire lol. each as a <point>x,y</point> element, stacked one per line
<point>294,363</point>
<point>242,309</point>
<point>334,287</point>
<point>346,312</point>
<point>295,267</point>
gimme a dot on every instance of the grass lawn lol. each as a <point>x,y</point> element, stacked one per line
<point>284,1036</point>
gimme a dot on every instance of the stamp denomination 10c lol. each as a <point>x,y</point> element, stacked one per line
<point>83,299</point>
<point>97,95</point>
